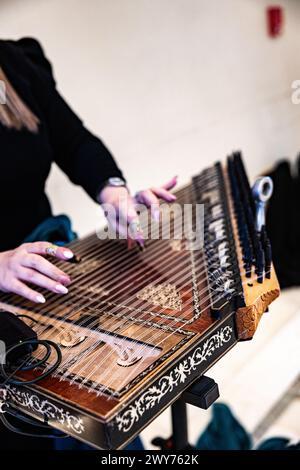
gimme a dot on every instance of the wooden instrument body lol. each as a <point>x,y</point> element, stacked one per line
<point>180,336</point>
<point>111,423</point>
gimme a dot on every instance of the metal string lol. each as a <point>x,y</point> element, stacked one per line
<point>112,249</point>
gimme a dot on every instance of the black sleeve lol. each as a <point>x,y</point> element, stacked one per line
<point>79,153</point>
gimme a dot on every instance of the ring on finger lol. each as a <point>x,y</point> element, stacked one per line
<point>51,250</point>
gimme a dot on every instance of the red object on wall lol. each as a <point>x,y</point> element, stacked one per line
<point>275,20</point>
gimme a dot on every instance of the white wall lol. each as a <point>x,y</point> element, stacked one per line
<point>170,85</point>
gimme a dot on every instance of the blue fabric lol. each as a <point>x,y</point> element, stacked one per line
<point>278,443</point>
<point>136,444</point>
<point>56,229</point>
<point>224,432</point>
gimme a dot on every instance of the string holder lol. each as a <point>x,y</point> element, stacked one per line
<point>202,393</point>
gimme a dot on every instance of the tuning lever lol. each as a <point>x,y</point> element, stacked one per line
<point>261,191</point>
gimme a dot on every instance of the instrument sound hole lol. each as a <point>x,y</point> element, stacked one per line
<point>69,339</point>
<point>129,361</point>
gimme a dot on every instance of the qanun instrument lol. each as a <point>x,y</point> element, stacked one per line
<point>137,328</point>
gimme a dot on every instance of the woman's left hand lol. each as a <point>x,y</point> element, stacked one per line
<point>124,205</point>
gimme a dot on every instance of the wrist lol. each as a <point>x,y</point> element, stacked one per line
<point>108,185</point>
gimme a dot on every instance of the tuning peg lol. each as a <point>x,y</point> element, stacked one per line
<point>261,191</point>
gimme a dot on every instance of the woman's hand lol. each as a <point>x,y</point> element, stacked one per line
<point>26,264</point>
<point>150,197</point>
<point>124,205</point>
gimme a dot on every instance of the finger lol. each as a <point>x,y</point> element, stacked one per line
<point>127,211</point>
<point>32,276</point>
<point>45,248</point>
<point>118,228</point>
<point>19,288</point>
<point>125,232</point>
<point>132,231</point>
<point>129,221</point>
<point>148,198</point>
<point>170,184</point>
<point>164,194</point>
<point>45,267</point>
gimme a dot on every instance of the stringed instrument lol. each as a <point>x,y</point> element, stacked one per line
<point>137,328</point>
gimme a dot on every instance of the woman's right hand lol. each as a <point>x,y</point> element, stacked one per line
<point>26,264</point>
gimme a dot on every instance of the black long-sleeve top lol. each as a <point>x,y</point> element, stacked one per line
<point>26,158</point>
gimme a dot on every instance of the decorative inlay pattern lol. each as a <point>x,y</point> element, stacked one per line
<point>163,295</point>
<point>152,397</point>
<point>42,407</point>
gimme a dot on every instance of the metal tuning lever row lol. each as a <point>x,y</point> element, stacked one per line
<point>250,207</point>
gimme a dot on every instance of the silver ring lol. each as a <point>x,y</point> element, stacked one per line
<point>51,250</point>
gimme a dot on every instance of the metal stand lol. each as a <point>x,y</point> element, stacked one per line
<point>202,394</point>
<point>179,424</point>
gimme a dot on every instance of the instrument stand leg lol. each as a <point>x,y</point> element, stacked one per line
<point>180,425</point>
<point>202,394</point>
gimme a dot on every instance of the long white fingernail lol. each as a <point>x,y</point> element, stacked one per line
<point>61,289</point>
<point>41,299</point>
<point>68,254</point>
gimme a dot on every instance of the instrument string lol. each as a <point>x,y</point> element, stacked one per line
<point>103,389</point>
<point>108,250</point>
<point>90,239</point>
<point>181,319</point>
<point>140,338</point>
<point>105,325</point>
<point>101,283</point>
<point>92,299</point>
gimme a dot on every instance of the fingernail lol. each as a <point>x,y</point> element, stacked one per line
<point>61,289</point>
<point>64,280</point>
<point>40,299</point>
<point>68,254</point>
<point>172,198</point>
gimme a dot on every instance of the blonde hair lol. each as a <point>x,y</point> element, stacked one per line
<point>14,113</point>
